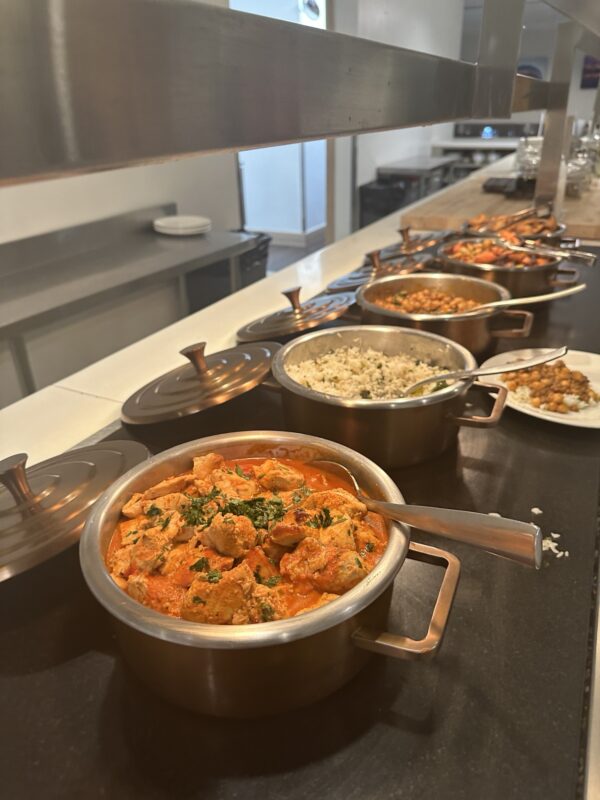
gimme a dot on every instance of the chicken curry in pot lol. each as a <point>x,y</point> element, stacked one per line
<point>244,541</point>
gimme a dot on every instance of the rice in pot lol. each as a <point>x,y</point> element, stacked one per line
<point>356,373</point>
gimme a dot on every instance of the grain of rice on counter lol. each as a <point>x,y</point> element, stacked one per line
<point>363,374</point>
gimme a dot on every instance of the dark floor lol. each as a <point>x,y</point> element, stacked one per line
<point>280,256</point>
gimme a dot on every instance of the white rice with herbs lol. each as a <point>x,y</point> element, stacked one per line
<point>356,373</point>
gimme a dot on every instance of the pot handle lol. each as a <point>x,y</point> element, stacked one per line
<point>493,417</point>
<point>398,646</point>
<point>526,318</point>
<point>570,281</point>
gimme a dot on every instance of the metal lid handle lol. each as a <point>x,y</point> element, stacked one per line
<point>293,295</point>
<point>375,259</point>
<point>195,353</point>
<point>14,477</point>
<point>405,234</point>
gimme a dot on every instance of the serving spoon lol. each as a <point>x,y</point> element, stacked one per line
<point>508,538</point>
<point>534,298</point>
<point>497,369</point>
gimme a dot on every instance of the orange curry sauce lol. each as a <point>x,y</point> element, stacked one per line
<point>165,583</point>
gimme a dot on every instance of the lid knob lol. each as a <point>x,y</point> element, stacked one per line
<point>14,477</point>
<point>293,295</point>
<point>375,259</point>
<point>405,234</point>
<point>195,353</point>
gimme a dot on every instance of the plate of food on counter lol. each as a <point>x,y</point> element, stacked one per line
<point>566,391</point>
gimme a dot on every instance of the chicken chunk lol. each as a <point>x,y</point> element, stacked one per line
<point>204,465</point>
<point>277,476</point>
<point>265,605</point>
<point>167,502</point>
<point>338,501</point>
<point>168,486</point>
<point>157,592</point>
<point>119,563</point>
<point>233,485</point>
<point>149,552</point>
<point>133,507</point>
<point>230,535</point>
<point>340,534</point>
<point>220,598</point>
<point>262,567</point>
<point>273,551</point>
<point>326,567</point>
<point>365,540</point>
<point>292,528</point>
<point>183,564</point>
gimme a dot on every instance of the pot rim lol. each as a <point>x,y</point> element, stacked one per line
<point>202,635</point>
<point>431,277</point>
<point>281,376</point>
<point>441,253</point>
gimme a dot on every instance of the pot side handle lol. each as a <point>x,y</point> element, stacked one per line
<point>493,417</point>
<point>403,647</point>
<point>526,318</point>
<point>572,277</point>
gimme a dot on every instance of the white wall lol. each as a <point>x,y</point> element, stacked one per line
<point>315,171</point>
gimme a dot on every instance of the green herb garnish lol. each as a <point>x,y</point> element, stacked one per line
<point>321,520</point>
<point>260,511</point>
<point>365,394</point>
<point>369,547</point>
<point>153,511</point>
<point>272,581</point>
<point>197,600</point>
<point>241,473</point>
<point>267,612</point>
<point>196,514</point>
<point>165,522</point>
<point>300,494</point>
<point>358,562</point>
<point>213,575</point>
<point>201,565</point>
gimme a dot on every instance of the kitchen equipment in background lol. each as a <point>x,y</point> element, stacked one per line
<point>43,508</point>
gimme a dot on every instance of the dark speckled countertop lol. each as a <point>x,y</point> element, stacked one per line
<point>500,714</point>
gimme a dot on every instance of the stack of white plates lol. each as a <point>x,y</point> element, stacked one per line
<point>182,225</point>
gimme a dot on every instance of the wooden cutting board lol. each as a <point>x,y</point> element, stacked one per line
<point>451,207</point>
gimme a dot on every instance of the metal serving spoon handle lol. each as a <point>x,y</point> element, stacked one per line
<point>497,369</point>
<point>508,538</point>
<point>534,298</point>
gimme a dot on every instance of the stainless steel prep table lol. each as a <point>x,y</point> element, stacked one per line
<point>44,277</point>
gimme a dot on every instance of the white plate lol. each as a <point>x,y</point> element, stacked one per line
<point>588,363</point>
<point>182,225</point>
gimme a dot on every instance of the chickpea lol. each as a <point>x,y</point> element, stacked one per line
<point>563,408</point>
<point>536,402</point>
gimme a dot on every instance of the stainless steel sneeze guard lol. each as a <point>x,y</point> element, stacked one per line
<point>87,85</point>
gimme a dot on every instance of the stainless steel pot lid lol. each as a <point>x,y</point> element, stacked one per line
<point>205,382</point>
<point>411,243</point>
<point>43,509</point>
<point>375,269</point>
<point>300,317</point>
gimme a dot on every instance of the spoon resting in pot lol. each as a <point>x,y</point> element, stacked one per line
<point>508,538</point>
<point>524,301</point>
<point>498,369</point>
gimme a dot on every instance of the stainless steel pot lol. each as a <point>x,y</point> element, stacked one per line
<point>394,433</point>
<point>252,670</point>
<point>475,330</point>
<point>520,281</point>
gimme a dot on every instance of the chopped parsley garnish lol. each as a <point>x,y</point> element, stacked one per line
<point>267,612</point>
<point>213,575</point>
<point>358,562</point>
<point>260,511</point>
<point>321,520</point>
<point>300,494</point>
<point>131,533</point>
<point>153,511</point>
<point>196,513</point>
<point>201,565</point>
<point>239,471</point>
<point>272,581</point>
<point>136,540</point>
<point>165,522</point>
<point>369,547</point>
<point>196,600</point>
<point>365,394</point>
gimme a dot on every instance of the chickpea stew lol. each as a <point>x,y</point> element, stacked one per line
<point>244,541</point>
<point>426,301</point>
<point>552,387</point>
